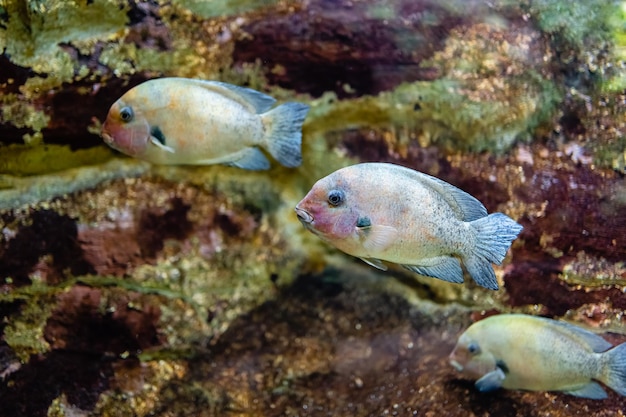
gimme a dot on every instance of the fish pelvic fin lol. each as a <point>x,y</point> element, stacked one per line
<point>376,263</point>
<point>491,381</point>
<point>494,235</point>
<point>592,390</point>
<point>283,133</point>
<point>615,371</point>
<point>445,268</point>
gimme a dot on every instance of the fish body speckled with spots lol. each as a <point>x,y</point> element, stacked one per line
<point>385,212</point>
<point>186,121</point>
<point>517,351</point>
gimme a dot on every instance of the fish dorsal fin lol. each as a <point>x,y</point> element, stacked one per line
<point>491,381</point>
<point>595,342</point>
<point>591,390</point>
<point>468,207</point>
<point>377,237</point>
<point>249,98</point>
<point>376,263</point>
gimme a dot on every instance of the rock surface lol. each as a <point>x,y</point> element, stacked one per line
<point>130,289</point>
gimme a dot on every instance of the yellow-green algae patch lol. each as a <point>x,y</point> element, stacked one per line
<point>18,191</point>
<point>594,272</point>
<point>36,28</point>
<point>216,8</point>
<point>22,114</point>
<point>130,398</point>
<point>23,160</point>
<point>24,332</point>
<point>445,112</point>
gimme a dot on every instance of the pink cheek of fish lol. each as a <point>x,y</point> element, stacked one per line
<point>334,223</point>
<point>132,139</point>
<point>114,135</point>
<point>477,367</point>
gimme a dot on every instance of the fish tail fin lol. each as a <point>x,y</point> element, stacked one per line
<point>615,372</point>
<point>283,137</point>
<point>494,235</point>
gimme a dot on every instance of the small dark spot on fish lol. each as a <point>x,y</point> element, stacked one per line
<point>156,132</point>
<point>417,107</point>
<point>500,364</point>
<point>363,222</point>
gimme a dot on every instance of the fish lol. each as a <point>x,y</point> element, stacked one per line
<point>183,121</point>
<point>524,352</point>
<point>386,212</point>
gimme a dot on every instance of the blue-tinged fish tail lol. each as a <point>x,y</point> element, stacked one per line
<point>615,371</point>
<point>494,234</point>
<point>283,132</point>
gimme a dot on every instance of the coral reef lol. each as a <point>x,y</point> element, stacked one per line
<point>131,289</point>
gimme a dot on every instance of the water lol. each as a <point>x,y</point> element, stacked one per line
<point>132,289</point>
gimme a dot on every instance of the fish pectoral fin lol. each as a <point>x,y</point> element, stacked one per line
<point>376,263</point>
<point>491,381</point>
<point>377,237</point>
<point>446,268</point>
<point>158,143</point>
<point>252,159</point>
<point>591,390</point>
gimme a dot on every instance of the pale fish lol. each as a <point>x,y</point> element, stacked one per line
<point>517,351</point>
<point>385,212</point>
<point>187,121</point>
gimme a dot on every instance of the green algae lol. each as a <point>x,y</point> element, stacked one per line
<point>616,82</point>
<point>216,8</point>
<point>24,332</point>
<point>18,191</point>
<point>589,37</point>
<point>24,160</point>
<point>36,28</point>
<point>22,114</point>
<point>577,23</point>
<point>443,112</point>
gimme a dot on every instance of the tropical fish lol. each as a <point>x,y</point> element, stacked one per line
<point>517,351</point>
<point>385,212</point>
<point>186,121</point>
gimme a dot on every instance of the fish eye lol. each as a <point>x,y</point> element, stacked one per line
<point>473,348</point>
<point>126,114</point>
<point>335,197</point>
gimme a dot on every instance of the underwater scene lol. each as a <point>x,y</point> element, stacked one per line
<point>313,208</point>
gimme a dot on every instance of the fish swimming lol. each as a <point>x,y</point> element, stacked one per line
<point>196,122</point>
<point>518,351</point>
<point>385,212</point>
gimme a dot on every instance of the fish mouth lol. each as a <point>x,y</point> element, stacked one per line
<point>108,139</point>
<point>304,216</point>
<point>456,365</point>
